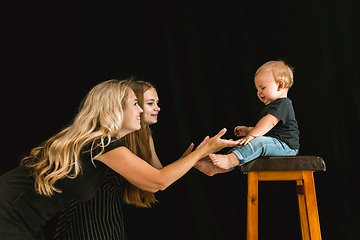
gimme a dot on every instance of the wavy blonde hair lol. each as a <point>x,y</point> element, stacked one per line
<point>100,117</point>
<point>139,143</point>
<point>280,71</point>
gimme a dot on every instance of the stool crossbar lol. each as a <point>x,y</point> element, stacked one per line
<point>286,168</point>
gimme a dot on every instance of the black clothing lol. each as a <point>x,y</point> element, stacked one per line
<point>287,129</point>
<point>23,211</point>
<point>100,218</point>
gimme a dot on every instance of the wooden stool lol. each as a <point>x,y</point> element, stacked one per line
<point>287,168</point>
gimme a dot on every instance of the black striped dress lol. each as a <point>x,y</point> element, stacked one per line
<point>97,219</point>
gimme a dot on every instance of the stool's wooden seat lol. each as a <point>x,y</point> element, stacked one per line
<point>287,168</point>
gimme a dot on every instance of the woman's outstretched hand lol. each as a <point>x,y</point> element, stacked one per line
<point>215,143</point>
<point>188,150</point>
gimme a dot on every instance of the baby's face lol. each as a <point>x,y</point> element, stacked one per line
<point>267,89</point>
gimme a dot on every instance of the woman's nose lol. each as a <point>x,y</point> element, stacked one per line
<point>140,109</point>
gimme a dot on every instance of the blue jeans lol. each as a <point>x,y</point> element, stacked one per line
<point>261,147</point>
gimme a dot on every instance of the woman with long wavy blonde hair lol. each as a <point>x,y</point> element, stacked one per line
<point>73,164</point>
<point>107,201</point>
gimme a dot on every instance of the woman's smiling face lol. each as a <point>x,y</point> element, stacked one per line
<point>132,112</point>
<point>151,108</point>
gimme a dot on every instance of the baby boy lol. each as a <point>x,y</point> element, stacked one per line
<point>276,132</point>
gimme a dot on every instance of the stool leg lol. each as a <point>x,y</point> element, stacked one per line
<point>302,210</point>
<point>311,205</point>
<point>252,206</point>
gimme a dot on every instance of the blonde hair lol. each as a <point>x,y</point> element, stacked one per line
<point>100,117</point>
<point>139,143</point>
<point>280,71</point>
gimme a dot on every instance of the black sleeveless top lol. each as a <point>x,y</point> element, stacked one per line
<point>17,189</point>
<point>100,218</point>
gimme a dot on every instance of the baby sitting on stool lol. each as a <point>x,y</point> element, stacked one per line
<point>276,132</point>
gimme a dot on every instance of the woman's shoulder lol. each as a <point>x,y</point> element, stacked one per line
<point>102,145</point>
<point>112,144</point>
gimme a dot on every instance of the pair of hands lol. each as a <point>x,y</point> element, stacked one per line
<point>216,143</point>
<point>205,164</point>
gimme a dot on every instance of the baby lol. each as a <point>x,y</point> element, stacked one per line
<point>275,134</point>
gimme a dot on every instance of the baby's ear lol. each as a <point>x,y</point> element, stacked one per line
<point>281,85</point>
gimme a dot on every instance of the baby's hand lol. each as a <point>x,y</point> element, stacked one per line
<point>241,131</point>
<point>244,141</point>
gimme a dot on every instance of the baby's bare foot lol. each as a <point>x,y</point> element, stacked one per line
<point>221,161</point>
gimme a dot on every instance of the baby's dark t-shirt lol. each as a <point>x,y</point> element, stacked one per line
<point>287,129</point>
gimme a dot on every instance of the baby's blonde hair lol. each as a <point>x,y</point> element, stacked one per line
<point>280,71</point>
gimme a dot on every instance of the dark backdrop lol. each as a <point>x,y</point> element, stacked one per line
<point>202,56</point>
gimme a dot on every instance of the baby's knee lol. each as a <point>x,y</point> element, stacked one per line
<point>259,141</point>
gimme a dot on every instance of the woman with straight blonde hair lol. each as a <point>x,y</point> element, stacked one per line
<point>73,163</point>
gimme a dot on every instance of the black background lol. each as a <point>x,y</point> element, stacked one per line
<point>201,56</point>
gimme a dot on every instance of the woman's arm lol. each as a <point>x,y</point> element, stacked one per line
<point>152,190</point>
<point>139,172</point>
<point>155,162</point>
